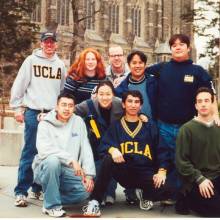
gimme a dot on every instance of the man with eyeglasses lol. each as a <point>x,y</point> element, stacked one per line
<point>118,69</point>
<point>64,165</point>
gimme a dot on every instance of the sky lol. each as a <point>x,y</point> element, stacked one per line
<point>200,41</point>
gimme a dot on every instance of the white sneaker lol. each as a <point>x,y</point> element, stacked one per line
<point>144,204</point>
<point>109,200</point>
<point>36,195</point>
<point>21,201</point>
<point>57,212</point>
<point>92,209</point>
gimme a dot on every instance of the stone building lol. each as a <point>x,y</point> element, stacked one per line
<point>141,24</point>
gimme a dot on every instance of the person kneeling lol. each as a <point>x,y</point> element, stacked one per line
<point>198,159</point>
<point>130,149</point>
<point>64,165</point>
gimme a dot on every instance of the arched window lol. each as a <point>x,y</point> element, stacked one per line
<point>136,21</point>
<point>36,14</point>
<point>114,18</point>
<point>90,13</point>
<point>63,7</point>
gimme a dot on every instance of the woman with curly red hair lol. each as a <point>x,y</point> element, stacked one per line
<point>85,74</point>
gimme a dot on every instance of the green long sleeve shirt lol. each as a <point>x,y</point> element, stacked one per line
<point>197,152</point>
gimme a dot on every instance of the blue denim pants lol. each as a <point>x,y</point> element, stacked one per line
<point>169,133</point>
<point>59,183</point>
<point>25,173</point>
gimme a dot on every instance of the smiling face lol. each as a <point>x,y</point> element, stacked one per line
<point>116,57</point>
<point>180,51</point>
<point>137,67</point>
<point>65,108</point>
<point>105,96</point>
<point>90,64</point>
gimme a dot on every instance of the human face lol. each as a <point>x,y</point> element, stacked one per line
<point>49,47</point>
<point>65,108</point>
<point>116,57</point>
<point>90,64</point>
<point>105,96</point>
<point>132,106</point>
<point>204,104</point>
<point>180,51</point>
<point>137,67</point>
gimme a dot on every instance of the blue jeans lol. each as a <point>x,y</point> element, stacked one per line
<point>112,184</point>
<point>169,133</point>
<point>60,185</point>
<point>25,173</point>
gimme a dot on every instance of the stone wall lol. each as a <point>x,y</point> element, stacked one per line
<point>11,142</point>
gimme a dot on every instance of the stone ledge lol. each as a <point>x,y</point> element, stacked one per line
<point>11,142</point>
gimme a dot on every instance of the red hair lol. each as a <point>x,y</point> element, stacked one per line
<point>77,69</point>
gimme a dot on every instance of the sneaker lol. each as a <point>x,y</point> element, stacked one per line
<point>92,209</point>
<point>21,201</point>
<point>168,202</point>
<point>144,204</point>
<point>109,200</point>
<point>36,195</point>
<point>131,199</point>
<point>56,212</point>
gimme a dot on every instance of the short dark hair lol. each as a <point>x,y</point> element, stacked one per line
<point>142,56</point>
<point>105,83</point>
<point>204,89</point>
<point>64,94</point>
<point>182,37</point>
<point>134,93</point>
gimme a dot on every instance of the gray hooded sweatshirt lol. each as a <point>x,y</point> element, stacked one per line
<point>67,141</point>
<point>38,82</point>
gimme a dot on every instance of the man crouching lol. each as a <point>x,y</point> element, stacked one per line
<point>64,165</point>
<point>134,156</point>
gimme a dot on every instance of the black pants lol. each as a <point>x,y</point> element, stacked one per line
<point>205,207</point>
<point>128,178</point>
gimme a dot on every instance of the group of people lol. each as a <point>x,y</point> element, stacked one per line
<point>154,130</point>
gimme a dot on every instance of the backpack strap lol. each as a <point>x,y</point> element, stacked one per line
<point>92,110</point>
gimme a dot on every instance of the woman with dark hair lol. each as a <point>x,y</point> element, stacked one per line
<point>98,114</point>
<point>85,74</point>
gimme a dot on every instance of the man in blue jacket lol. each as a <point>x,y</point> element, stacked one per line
<point>146,84</point>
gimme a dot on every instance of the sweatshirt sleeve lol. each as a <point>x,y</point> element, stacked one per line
<point>20,85</point>
<point>121,88</point>
<point>154,69</point>
<point>70,85</point>
<point>46,147</point>
<point>86,154</point>
<point>184,165</point>
<point>82,109</point>
<point>109,141</point>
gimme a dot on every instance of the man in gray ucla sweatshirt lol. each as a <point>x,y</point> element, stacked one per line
<point>64,165</point>
<point>36,87</point>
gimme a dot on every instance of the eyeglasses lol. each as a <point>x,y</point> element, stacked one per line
<point>116,55</point>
